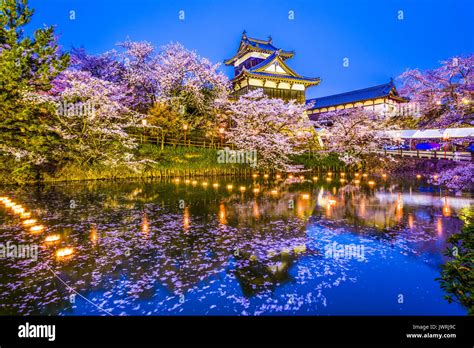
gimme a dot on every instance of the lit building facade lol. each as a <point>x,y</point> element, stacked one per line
<point>383,99</point>
<point>258,64</point>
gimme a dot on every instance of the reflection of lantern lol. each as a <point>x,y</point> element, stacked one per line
<point>439,226</point>
<point>145,224</point>
<point>93,234</point>
<point>410,221</point>
<point>222,214</point>
<point>186,219</point>
<point>37,229</point>
<point>446,208</point>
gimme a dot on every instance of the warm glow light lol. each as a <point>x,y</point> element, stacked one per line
<point>242,188</point>
<point>52,238</point>
<point>176,180</point>
<point>356,174</point>
<point>305,196</point>
<point>329,173</point>
<point>343,174</point>
<point>229,187</point>
<point>278,176</point>
<point>194,182</point>
<point>36,228</point>
<point>25,215</point>
<point>9,204</point>
<point>256,190</point>
<point>145,224</point>
<point>265,176</point>
<point>254,175</point>
<point>418,176</point>
<point>221,130</point>
<point>328,179</point>
<point>332,201</point>
<point>29,222</point>
<point>315,178</point>
<point>365,175</point>
<point>144,122</point>
<point>342,180</point>
<point>357,181</point>
<point>187,181</point>
<point>185,126</point>
<point>63,252</point>
<point>438,102</point>
<point>371,182</point>
<point>204,183</point>
<point>290,176</point>
<point>274,192</point>
<point>215,184</point>
<point>384,175</point>
<point>465,101</point>
<point>435,177</point>
<point>301,177</point>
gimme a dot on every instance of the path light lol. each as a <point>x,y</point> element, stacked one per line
<point>371,182</point>
<point>315,178</point>
<point>328,179</point>
<point>215,185</point>
<point>176,180</point>
<point>278,176</point>
<point>256,190</point>
<point>52,238</point>
<point>274,192</point>
<point>418,176</point>
<point>356,174</point>
<point>187,181</point>
<point>36,228</point>
<point>357,181</point>
<point>63,252</point>
<point>254,175</point>
<point>342,180</point>
<point>290,176</point>
<point>29,222</point>
<point>194,182</point>
<point>301,177</point>
<point>230,186</point>
<point>435,177</point>
<point>329,173</point>
<point>342,174</point>
<point>265,176</point>
<point>242,188</point>
<point>305,196</point>
<point>204,183</point>
<point>365,175</point>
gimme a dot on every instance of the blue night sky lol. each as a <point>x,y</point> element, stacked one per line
<point>322,33</point>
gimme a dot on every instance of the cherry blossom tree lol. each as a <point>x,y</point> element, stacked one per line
<point>92,119</point>
<point>191,85</point>
<point>445,94</point>
<point>353,133</point>
<point>274,128</point>
<point>456,179</point>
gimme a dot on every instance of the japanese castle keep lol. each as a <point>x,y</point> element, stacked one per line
<point>259,64</point>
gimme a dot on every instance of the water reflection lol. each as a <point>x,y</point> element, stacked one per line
<point>132,248</point>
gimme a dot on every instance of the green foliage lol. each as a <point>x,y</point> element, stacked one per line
<point>26,65</point>
<point>457,275</point>
<point>318,160</point>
